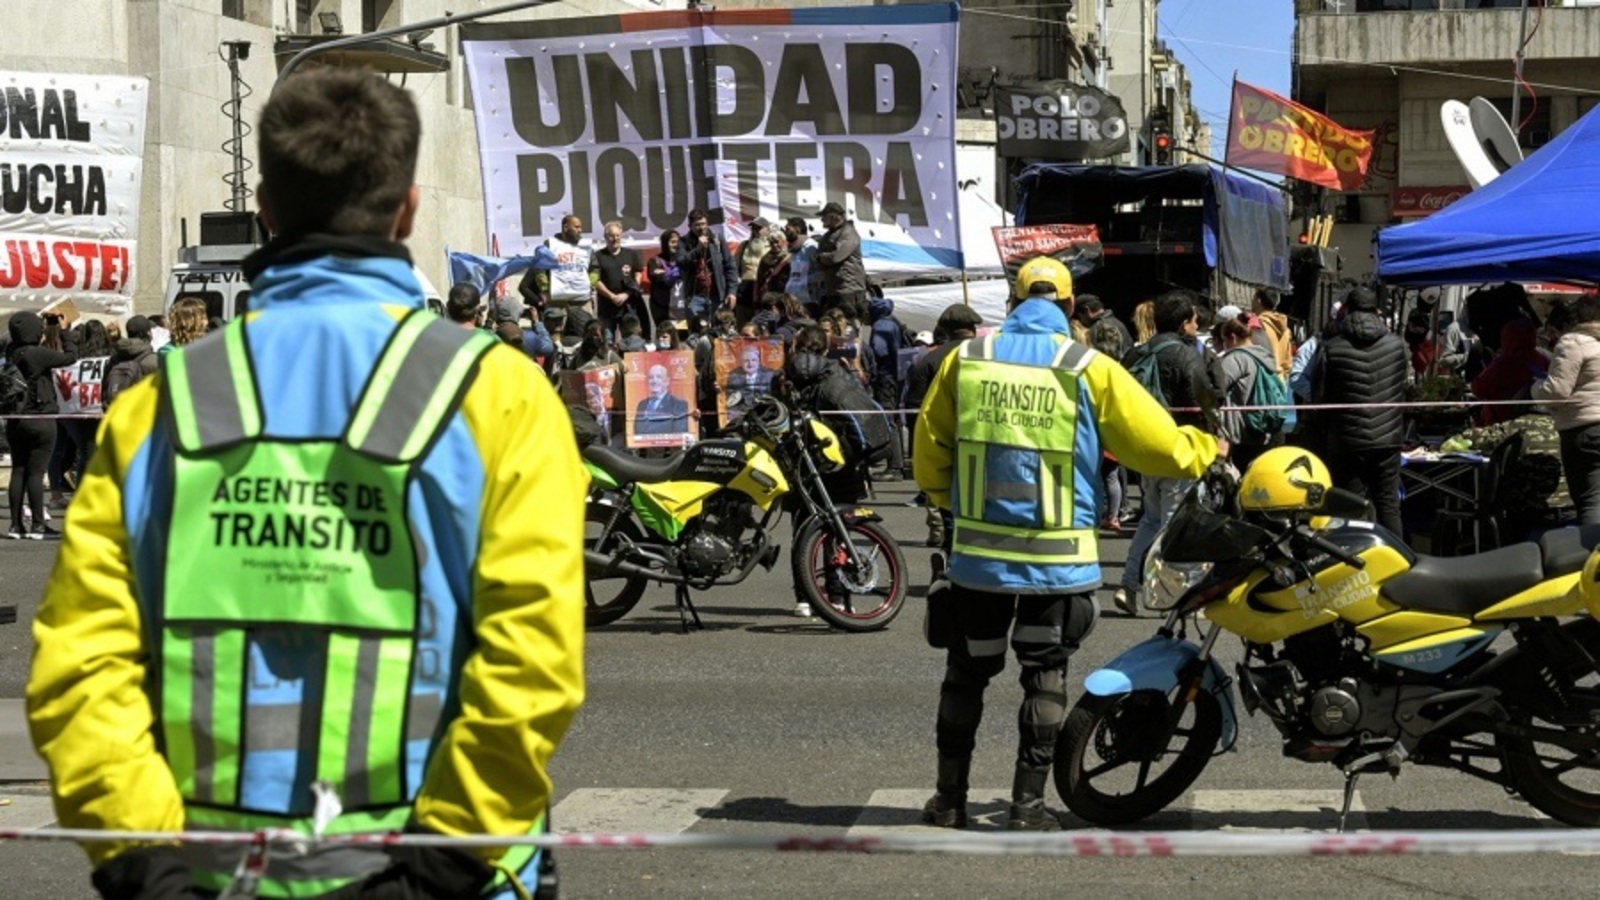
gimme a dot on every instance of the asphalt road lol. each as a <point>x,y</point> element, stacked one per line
<point>765,724</point>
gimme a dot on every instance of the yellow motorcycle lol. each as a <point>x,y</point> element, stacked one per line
<point>1360,652</point>
<point>707,516</point>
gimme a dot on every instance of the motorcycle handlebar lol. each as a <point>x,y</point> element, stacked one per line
<point>1330,548</point>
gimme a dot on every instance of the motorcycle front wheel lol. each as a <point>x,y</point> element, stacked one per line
<point>609,598</point>
<point>1560,774</point>
<point>864,600</point>
<point>1118,762</point>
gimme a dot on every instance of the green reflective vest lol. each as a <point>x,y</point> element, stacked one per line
<point>1017,430</point>
<point>308,543</point>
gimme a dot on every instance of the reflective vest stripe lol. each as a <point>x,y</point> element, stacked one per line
<point>180,708</point>
<point>338,707</point>
<point>386,720</point>
<point>1055,546</point>
<point>200,721</point>
<point>978,348</point>
<point>403,405</point>
<point>973,482</point>
<point>227,698</point>
<point>212,406</point>
<point>383,376</point>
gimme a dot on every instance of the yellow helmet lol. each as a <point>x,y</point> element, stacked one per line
<point>1284,479</point>
<point>1043,269</point>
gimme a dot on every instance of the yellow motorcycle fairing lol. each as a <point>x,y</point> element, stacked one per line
<point>1342,592</point>
<point>1559,596</point>
<point>761,479</point>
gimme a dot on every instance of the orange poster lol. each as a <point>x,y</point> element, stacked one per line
<point>745,369</point>
<point>1270,133</point>
<point>660,397</point>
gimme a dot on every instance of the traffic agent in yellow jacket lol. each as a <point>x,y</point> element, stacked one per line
<point>1010,440</point>
<point>361,569</point>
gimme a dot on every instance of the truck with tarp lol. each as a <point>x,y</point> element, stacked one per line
<point>1216,232</point>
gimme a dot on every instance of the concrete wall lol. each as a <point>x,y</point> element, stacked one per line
<point>1445,36</point>
<point>175,44</point>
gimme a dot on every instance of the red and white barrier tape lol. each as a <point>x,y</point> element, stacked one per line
<point>1065,843</point>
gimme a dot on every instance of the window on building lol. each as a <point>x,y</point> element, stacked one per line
<point>233,9</point>
<point>375,15</point>
<point>302,15</point>
<point>1536,133</point>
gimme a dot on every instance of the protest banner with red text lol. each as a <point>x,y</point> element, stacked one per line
<point>71,156</point>
<point>1076,246</point>
<point>1270,133</point>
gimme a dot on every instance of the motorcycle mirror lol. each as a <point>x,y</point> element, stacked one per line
<point>1344,504</point>
<point>735,398</point>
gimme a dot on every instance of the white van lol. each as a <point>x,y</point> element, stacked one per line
<point>212,274</point>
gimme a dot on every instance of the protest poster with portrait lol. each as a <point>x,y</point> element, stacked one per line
<point>595,390</point>
<point>745,369</point>
<point>659,394</point>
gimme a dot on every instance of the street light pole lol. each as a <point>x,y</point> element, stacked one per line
<point>443,21</point>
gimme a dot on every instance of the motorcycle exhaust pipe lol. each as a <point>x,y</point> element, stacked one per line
<point>599,565</point>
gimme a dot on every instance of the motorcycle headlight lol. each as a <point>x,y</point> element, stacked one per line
<point>1166,582</point>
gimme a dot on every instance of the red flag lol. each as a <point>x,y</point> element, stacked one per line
<point>1270,133</point>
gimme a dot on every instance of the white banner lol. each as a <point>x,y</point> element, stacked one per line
<point>771,113</point>
<point>77,386</point>
<point>71,154</point>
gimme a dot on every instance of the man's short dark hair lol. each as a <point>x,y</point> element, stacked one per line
<point>1268,298</point>
<point>139,328</point>
<point>1173,309</point>
<point>338,152</point>
<point>697,214</point>
<point>461,304</point>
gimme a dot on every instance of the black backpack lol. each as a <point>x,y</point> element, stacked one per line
<point>15,392</point>
<point>850,411</point>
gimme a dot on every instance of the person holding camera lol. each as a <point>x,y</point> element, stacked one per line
<point>32,440</point>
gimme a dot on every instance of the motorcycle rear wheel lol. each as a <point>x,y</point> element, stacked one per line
<point>608,599</point>
<point>864,601</point>
<point>1561,782</point>
<point>1105,734</point>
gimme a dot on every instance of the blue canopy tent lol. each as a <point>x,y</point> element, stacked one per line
<point>1540,221</point>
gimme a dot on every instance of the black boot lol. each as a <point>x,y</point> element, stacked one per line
<point>1028,812</point>
<point>948,807</point>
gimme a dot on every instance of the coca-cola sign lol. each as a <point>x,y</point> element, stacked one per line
<point>1425,200</point>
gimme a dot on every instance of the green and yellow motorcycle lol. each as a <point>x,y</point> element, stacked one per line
<point>707,517</point>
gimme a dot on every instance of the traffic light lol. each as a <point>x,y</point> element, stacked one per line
<point>1162,141</point>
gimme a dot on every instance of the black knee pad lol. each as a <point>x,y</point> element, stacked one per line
<point>1082,614</point>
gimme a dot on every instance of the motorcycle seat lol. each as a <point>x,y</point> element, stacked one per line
<point>1567,549</point>
<point>1463,585</point>
<point>628,468</point>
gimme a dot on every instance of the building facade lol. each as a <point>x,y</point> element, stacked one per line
<point>1388,65</point>
<point>190,49</point>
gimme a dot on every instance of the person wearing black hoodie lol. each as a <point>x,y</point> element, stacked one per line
<point>32,440</point>
<point>1362,368</point>
<point>131,359</point>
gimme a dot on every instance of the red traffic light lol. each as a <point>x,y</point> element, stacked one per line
<point>1163,141</point>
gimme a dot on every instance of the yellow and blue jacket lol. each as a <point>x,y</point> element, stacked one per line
<point>1114,414</point>
<point>496,505</point>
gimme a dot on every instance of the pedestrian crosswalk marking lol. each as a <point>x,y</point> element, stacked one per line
<point>899,811</point>
<point>632,810</point>
<point>1278,810</point>
<point>26,811</point>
